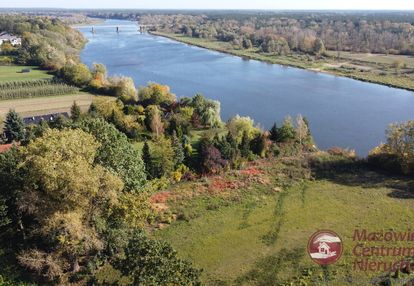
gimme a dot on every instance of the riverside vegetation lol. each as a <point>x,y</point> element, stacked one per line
<point>316,41</point>
<point>84,200</point>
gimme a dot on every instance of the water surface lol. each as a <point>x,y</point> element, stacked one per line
<point>342,112</point>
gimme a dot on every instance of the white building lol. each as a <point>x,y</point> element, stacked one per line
<point>13,40</point>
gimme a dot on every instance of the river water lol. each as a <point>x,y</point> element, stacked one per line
<point>342,112</point>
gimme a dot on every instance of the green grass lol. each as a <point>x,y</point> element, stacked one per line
<point>375,58</point>
<point>240,238</point>
<point>13,73</point>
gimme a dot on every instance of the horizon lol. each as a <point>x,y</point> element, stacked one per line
<point>211,9</point>
<point>259,5</point>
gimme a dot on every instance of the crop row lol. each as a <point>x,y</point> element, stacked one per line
<point>28,83</point>
<point>37,91</point>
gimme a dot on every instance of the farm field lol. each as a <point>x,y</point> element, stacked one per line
<point>13,73</point>
<point>45,105</point>
<point>242,231</point>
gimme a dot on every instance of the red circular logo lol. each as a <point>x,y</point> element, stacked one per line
<point>325,247</point>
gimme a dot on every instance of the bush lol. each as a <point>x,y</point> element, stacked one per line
<point>151,262</point>
<point>76,74</point>
<point>380,157</point>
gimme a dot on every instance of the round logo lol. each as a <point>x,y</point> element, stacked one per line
<point>325,247</point>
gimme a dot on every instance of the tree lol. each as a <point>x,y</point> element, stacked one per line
<point>259,145</point>
<point>318,47</point>
<point>93,110</point>
<point>60,122</point>
<point>75,112</point>
<point>67,198</point>
<point>6,48</point>
<point>207,111</point>
<point>4,220</point>
<point>76,74</point>
<point>245,145</point>
<point>162,157</point>
<point>274,133</point>
<point>287,131</point>
<point>151,262</point>
<point>228,147</point>
<point>178,150</point>
<point>247,43</point>
<point>156,94</point>
<point>238,125</point>
<point>302,130</point>
<point>14,127</point>
<point>153,120</point>
<point>124,89</point>
<point>146,158</point>
<point>210,158</point>
<point>400,141</point>
<point>116,153</point>
<point>212,161</point>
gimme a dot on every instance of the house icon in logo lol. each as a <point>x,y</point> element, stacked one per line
<point>325,247</point>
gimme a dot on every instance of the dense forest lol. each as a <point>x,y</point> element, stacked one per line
<point>46,41</point>
<point>307,33</point>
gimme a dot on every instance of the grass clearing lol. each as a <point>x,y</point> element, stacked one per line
<point>375,58</point>
<point>14,73</point>
<point>234,241</point>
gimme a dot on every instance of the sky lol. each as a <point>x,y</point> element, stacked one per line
<point>216,4</point>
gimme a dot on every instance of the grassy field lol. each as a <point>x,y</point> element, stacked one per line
<point>364,67</point>
<point>242,230</point>
<point>46,105</point>
<point>13,73</point>
<point>375,58</point>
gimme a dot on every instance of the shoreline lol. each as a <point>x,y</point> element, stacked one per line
<point>262,58</point>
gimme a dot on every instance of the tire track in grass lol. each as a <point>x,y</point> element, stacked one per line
<point>304,188</point>
<point>272,236</point>
<point>248,208</point>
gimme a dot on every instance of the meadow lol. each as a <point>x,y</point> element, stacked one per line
<point>251,227</point>
<point>14,73</point>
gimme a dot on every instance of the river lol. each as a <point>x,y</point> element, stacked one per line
<point>342,112</point>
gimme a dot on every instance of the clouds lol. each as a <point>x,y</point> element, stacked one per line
<point>214,4</point>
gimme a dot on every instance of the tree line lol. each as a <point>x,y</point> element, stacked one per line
<point>46,41</point>
<point>296,32</point>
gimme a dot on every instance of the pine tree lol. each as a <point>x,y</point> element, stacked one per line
<point>14,127</point>
<point>178,150</point>
<point>274,133</point>
<point>92,109</point>
<point>59,122</point>
<point>146,157</point>
<point>245,145</point>
<point>258,145</point>
<point>287,132</point>
<point>75,112</point>
<point>227,146</point>
<point>234,148</point>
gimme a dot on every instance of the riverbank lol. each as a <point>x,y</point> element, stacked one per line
<point>363,70</point>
